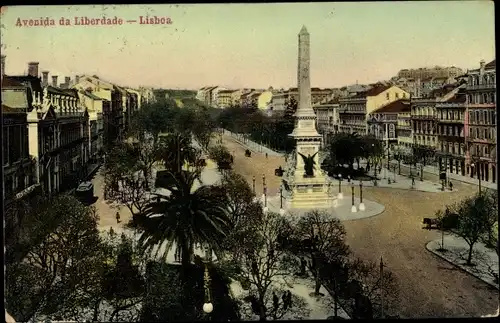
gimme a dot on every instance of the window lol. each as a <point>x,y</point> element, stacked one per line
<point>397,95</point>
<point>387,96</point>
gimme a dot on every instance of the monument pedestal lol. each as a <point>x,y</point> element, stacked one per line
<point>310,192</point>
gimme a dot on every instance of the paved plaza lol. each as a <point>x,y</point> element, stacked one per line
<point>340,209</point>
<point>398,236</point>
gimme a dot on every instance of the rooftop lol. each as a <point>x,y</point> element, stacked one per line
<point>27,80</point>
<point>402,105</point>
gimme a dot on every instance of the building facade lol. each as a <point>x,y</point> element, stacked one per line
<point>354,110</point>
<point>383,122</point>
<point>437,71</point>
<point>18,168</point>
<point>481,122</point>
<point>403,129</point>
<point>327,117</point>
<point>224,99</point>
<point>450,133</point>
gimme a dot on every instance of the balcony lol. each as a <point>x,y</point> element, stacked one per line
<point>423,117</point>
<point>352,112</point>
<point>481,141</point>
<point>451,121</point>
<point>487,86</point>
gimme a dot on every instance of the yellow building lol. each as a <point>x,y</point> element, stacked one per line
<point>354,110</point>
<point>264,100</point>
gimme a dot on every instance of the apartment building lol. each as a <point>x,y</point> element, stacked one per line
<point>426,72</point>
<point>224,99</point>
<point>383,122</point>
<point>451,147</point>
<point>403,129</point>
<point>18,168</point>
<point>112,106</point>
<point>94,106</point>
<point>355,109</point>
<point>480,125</point>
<point>327,117</point>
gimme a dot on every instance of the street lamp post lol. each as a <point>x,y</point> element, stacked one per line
<point>263,185</point>
<point>265,200</point>
<point>282,211</point>
<point>361,204</point>
<point>340,195</point>
<point>353,207</point>
<point>253,185</point>
<point>478,171</point>
<point>208,307</point>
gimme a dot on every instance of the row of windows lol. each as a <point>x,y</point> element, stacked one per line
<point>482,98</point>
<point>482,150</point>
<point>423,111</point>
<point>447,114</point>
<point>488,78</point>
<point>425,140</point>
<point>482,117</point>
<point>482,133</point>
<point>14,143</point>
<point>457,130</point>
<point>452,148</point>
<point>396,96</point>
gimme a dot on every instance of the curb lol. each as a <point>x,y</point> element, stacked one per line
<point>457,266</point>
<point>454,178</point>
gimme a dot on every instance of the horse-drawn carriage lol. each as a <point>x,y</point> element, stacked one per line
<point>248,153</point>
<point>430,222</point>
<point>279,171</point>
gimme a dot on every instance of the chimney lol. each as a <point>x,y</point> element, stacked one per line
<point>67,80</point>
<point>54,80</point>
<point>3,64</point>
<point>45,78</point>
<point>33,69</point>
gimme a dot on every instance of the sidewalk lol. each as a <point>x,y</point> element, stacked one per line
<point>466,179</point>
<point>456,252</point>
<point>315,308</point>
<point>252,145</point>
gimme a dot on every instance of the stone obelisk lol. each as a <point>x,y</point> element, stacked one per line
<point>307,191</point>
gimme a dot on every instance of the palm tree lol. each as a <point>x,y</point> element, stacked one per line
<point>188,216</point>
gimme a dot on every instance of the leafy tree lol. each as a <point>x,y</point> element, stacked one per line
<point>475,215</point>
<point>346,148</point>
<point>321,239</point>
<point>379,289</point>
<point>244,213</point>
<point>186,217</point>
<point>59,266</point>
<point>221,155</point>
<point>401,153</point>
<point>155,118</point>
<point>124,176</point>
<point>423,155</point>
<point>265,266</point>
<point>22,230</point>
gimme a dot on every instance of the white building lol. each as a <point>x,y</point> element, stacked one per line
<point>327,119</point>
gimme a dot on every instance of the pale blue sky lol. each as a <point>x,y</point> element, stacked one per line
<point>252,45</point>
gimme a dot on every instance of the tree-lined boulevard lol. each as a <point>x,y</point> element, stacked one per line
<point>62,265</point>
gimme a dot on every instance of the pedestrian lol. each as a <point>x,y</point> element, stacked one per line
<point>450,184</point>
<point>118,217</point>
<point>266,155</point>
